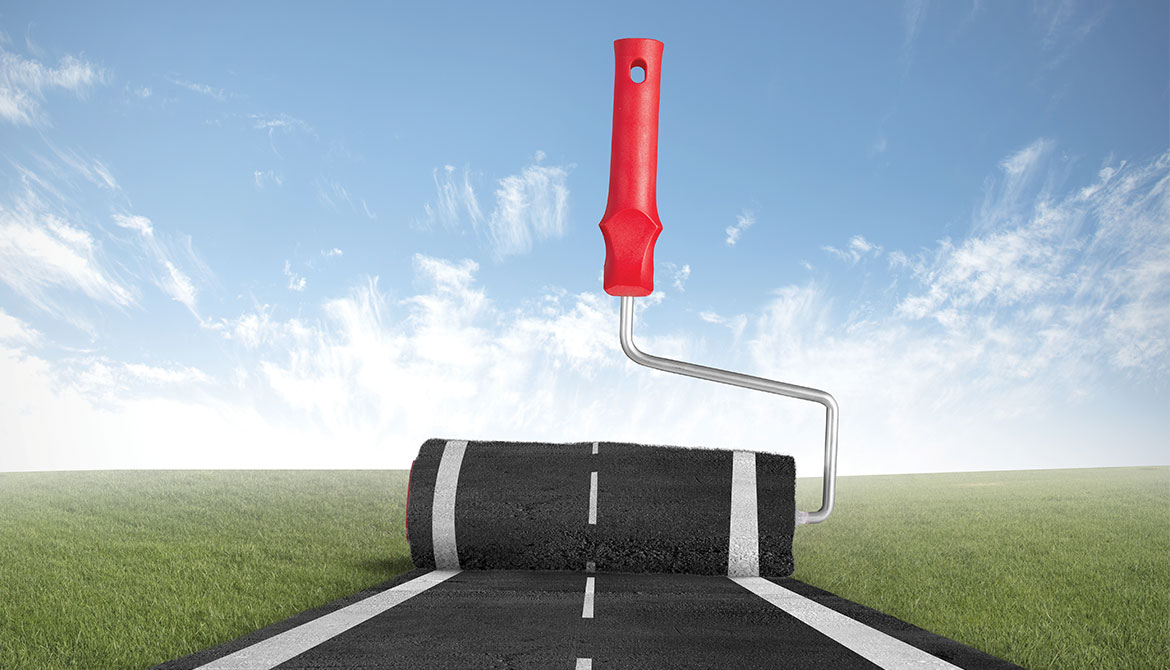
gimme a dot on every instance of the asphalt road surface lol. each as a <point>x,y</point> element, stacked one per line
<point>661,554</point>
<point>577,620</point>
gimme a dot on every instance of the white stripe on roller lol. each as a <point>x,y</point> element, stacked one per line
<point>593,498</point>
<point>443,510</point>
<point>584,664</point>
<point>277,649</point>
<point>594,451</point>
<point>587,609</point>
<point>743,545</point>
<point>875,646</point>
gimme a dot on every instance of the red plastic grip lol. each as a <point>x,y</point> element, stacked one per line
<point>630,224</point>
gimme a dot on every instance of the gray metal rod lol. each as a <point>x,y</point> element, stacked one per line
<point>829,484</point>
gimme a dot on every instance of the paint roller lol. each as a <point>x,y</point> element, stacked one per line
<point>618,507</point>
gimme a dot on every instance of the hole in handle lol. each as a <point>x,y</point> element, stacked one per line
<point>638,73</point>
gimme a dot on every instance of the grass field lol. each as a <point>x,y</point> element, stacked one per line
<point>1050,569</point>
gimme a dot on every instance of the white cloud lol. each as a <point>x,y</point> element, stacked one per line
<point>93,170</point>
<point>264,177</point>
<point>530,207</point>
<point>24,81</point>
<point>1093,264</point>
<point>334,195</point>
<point>858,248</point>
<point>139,224</point>
<point>742,222</point>
<point>330,253</point>
<point>295,281</point>
<point>735,324</point>
<point>453,199</point>
<point>202,89</point>
<point>167,275</point>
<point>680,275</point>
<point>16,331</point>
<point>1025,160</point>
<point>986,373</point>
<point>41,253</point>
<point>279,122</point>
<point>175,374</point>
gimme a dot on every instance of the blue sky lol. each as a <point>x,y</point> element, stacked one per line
<point>285,236</point>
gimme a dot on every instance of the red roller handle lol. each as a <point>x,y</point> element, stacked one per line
<point>630,224</point>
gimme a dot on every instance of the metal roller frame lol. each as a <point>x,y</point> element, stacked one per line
<point>829,483</point>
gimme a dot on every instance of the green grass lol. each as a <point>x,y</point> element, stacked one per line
<point>1055,569</point>
<point>1060,569</point>
<point>129,569</point>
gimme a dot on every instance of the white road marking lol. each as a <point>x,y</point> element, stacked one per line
<point>590,566</point>
<point>743,546</point>
<point>594,451</point>
<point>593,498</point>
<point>873,645</point>
<point>277,649</point>
<point>587,610</point>
<point>584,664</point>
<point>443,509</point>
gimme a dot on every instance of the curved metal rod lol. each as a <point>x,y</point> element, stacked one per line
<point>829,484</point>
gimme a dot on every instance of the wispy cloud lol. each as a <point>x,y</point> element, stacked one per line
<point>453,199</point>
<point>42,253</point>
<point>264,178</point>
<point>678,275</point>
<point>279,123</point>
<point>66,163</point>
<point>858,248</point>
<point>1064,24</point>
<point>735,324</point>
<point>987,352</point>
<point>24,82</point>
<point>743,221</point>
<point>1092,266</point>
<point>295,281</point>
<point>913,18</point>
<point>14,331</point>
<point>330,253</point>
<point>530,207</point>
<point>166,274</point>
<point>336,196</point>
<point>213,92</point>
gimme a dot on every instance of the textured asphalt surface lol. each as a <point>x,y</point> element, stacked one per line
<point>659,509</point>
<point>533,619</point>
<point>594,555</point>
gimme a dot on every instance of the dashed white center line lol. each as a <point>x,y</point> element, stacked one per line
<point>590,566</point>
<point>594,451</point>
<point>584,664</point>
<point>593,498</point>
<point>587,610</point>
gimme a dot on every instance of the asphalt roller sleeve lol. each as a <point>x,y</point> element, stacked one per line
<point>539,506</point>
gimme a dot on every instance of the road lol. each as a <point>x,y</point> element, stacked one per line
<point>574,620</point>
<point>661,554</point>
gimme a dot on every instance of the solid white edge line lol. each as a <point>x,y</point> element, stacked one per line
<point>743,543</point>
<point>443,507</point>
<point>593,498</point>
<point>584,664</point>
<point>875,646</point>
<point>587,609</point>
<point>277,649</point>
